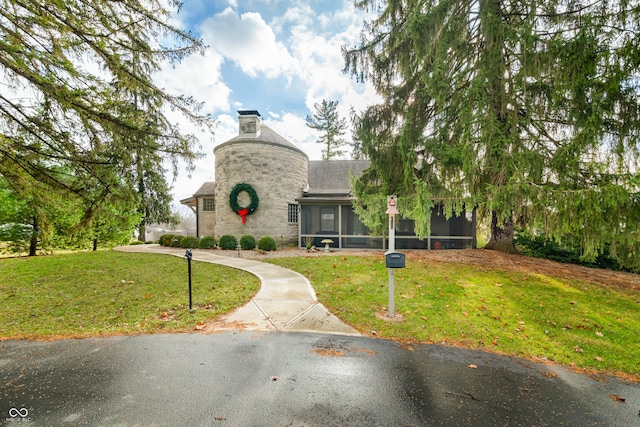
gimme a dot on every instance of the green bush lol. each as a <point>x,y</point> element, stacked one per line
<point>207,242</point>
<point>228,242</point>
<point>267,243</point>
<point>539,247</point>
<point>165,239</point>
<point>247,242</point>
<point>189,242</point>
<point>136,242</point>
<point>175,242</point>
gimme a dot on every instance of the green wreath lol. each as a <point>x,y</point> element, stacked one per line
<point>233,200</point>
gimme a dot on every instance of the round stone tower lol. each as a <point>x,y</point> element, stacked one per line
<point>277,171</point>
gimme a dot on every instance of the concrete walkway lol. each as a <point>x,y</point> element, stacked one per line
<point>285,302</point>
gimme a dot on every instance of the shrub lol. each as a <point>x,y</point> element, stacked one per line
<point>189,242</point>
<point>267,243</point>
<point>136,242</point>
<point>228,242</point>
<point>207,242</point>
<point>539,247</point>
<point>165,239</point>
<point>175,242</point>
<point>247,242</point>
<point>308,243</point>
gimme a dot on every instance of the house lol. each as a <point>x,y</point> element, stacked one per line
<point>267,186</point>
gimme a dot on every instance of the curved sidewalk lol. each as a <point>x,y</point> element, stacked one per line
<point>285,302</point>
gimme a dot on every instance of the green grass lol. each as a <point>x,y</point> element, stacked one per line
<point>108,292</point>
<point>527,315</point>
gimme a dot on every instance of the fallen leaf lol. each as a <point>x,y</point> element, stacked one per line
<point>599,359</point>
<point>472,366</point>
<point>220,418</point>
<point>600,334</point>
<point>499,285</point>
<point>465,314</point>
<point>274,378</point>
<point>578,349</point>
<point>617,398</point>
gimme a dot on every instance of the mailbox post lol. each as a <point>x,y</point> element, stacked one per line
<point>392,211</point>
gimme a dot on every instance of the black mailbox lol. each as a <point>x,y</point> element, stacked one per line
<point>394,259</point>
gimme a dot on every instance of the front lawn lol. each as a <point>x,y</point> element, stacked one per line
<point>108,292</point>
<point>531,315</point>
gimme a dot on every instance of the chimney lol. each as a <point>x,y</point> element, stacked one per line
<point>249,121</point>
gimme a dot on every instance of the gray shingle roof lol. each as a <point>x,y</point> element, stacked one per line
<point>267,135</point>
<point>206,189</point>
<point>332,176</point>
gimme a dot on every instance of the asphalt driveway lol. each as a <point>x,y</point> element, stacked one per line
<point>253,378</point>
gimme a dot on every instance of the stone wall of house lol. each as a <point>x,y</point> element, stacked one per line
<point>278,173</point>
<point>207,220</point>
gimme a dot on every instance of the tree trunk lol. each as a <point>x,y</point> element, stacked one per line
<point>33,244</point>
<point>95,245</point>
<point>501,237</point>
<point>142,232</point>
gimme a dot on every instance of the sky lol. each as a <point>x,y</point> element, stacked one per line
<point>279,57</point>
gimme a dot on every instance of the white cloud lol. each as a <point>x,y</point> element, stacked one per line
<point>294,129</point>
<point>319,54</point>
<point>197,76</point>
<point>248,41</point>
<point>300,44</point>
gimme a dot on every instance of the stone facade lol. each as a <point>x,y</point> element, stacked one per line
<point>206,227</point>
<point>275,168</point>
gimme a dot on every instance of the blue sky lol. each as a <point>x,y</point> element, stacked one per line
<point>275,56</point>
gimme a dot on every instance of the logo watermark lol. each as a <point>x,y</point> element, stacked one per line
<point>18,415</point>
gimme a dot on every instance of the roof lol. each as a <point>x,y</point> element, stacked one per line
<point>266,136</point>
<point>206,189</point>
<point>331,177</point>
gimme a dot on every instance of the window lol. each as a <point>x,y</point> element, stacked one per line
<point>327,219</point>
<point>208,204</point>
<point>292,216</point>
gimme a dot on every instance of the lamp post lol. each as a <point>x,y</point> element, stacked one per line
<point>392,211</point>
<point>188,255</point>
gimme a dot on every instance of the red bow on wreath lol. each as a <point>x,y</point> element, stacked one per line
<point>243,214</point>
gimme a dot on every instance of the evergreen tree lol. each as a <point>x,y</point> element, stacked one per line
<point>79,110</point>
<point>526,110</point>
<point>327,120</point>
<point>356,143</point>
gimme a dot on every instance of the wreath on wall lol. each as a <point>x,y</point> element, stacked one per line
<point>233,200</point>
